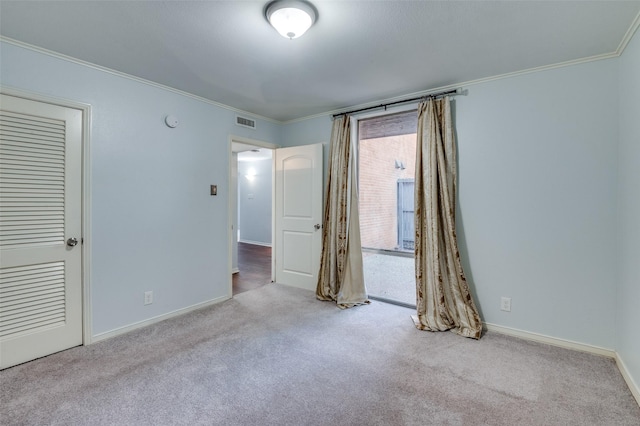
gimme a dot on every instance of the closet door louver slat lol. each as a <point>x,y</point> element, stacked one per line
<point>31,297</point>
<point>32,180</point>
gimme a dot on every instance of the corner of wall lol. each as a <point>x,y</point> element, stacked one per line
<point>628,208</point>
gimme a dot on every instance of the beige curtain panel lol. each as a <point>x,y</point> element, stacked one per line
<point>444,301</point>
<point>341,278</point>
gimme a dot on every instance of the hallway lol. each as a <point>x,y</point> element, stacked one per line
<point>254,262</point>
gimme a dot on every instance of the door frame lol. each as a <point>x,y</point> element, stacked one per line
<point>231,232</point>
<point>85,183</point>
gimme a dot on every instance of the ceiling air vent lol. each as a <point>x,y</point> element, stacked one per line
<point>245,122</point>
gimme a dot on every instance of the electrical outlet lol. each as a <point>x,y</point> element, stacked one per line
<point>148,297</point>
<point>505,304</point>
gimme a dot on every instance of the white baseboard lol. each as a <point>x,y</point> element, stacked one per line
<point>568,344</point>
<point>255,243</point>
<point>235,270</point>
<point>633,386</point>
<point>554,341</point>
<point>122,330</point>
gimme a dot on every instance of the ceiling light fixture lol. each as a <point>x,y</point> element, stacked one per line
<point>291,18</point>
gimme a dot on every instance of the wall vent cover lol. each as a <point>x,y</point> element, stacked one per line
<point>245,122</point>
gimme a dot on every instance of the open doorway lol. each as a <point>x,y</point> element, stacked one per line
<point>251,212</point>
<point>386,166</point>
<point>295,191</point>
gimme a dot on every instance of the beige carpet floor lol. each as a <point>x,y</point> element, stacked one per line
<point>277,356</point>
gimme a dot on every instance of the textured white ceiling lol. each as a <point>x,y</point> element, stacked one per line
<point>248,152</point>
<point>262,154</point>
<point>358,51</point>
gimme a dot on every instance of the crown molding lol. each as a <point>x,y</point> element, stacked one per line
<point>130,77</point>
<point>623,44</point>
<point>620,49</point>
<point>461,85</point>
<point>628,35</point>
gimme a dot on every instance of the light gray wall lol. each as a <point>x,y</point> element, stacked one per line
<point>627,309</point>
<point>154,225</point>
<point>537,185</point>
<point>255,201</point>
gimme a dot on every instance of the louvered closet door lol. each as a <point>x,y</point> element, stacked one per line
<point>40,209</point>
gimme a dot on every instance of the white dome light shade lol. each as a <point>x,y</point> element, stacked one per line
<point>290,18</point>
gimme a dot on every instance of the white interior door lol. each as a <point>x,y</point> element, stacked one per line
<point>298,214</point>
<point>40,216</point>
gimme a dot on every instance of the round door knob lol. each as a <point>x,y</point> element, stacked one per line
<point>71,242</point>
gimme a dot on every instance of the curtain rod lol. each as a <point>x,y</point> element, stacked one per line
<point>431,95</point>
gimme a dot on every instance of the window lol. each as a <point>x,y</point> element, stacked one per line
<point>386,164</point>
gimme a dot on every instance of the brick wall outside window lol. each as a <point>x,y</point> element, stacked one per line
<point>378,181</point>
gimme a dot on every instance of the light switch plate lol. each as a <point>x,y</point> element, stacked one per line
<point>505,304</point>
<point>148,297</point>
